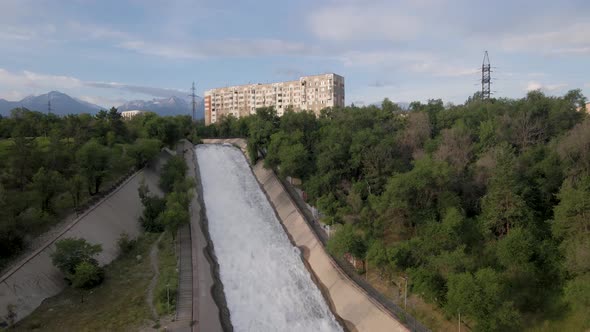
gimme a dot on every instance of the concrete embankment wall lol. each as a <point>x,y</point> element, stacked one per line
<point>352,304</point>
<point>35,278</point>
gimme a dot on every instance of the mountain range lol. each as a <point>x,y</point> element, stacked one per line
<point>166,106</point>
<point>62,104</point>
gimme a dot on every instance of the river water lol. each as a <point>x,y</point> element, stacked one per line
<point>266,285</point>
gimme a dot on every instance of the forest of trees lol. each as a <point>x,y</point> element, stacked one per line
<point>484,206</point>
<point>51,165</point>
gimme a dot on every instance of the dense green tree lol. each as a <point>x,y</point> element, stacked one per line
<point>347,240</point>
<point>47,184</point>
<point>481,296</point>
<point>143,150</point>
<point>174,216</point>
<point>164,129</point>
<point>458,197</point>
<point>87,275</point>
<point>572,225</point>
<point>153,208</point>
<point>75,186</point>
<point>288,151</point>
<point>24,155</point>
<point>574,150</point>
<point>429,284</point>
<point>93,159</point>
<point>413,198</point>
<point>261,129</point>
<point>577,292</point>
<point>45,156</point>
<point>173,171</point>
<point>70,252</point>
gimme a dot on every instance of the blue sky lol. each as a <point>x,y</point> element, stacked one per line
<point>108,52</point>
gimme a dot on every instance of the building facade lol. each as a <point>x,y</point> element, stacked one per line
<point>309,93</point>
<point>131,114</point>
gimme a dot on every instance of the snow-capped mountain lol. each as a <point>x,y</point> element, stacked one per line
<point>61,104</point>
<point>165,106</point>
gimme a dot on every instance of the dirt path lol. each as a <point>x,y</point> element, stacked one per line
<point>156,270</point>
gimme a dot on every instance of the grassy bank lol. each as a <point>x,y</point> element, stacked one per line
<point>118,304</point>
<point>167,285</point>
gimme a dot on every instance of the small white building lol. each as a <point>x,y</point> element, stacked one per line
<point>130,114</point>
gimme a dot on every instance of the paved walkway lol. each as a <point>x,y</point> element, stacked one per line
<point>206,316</point>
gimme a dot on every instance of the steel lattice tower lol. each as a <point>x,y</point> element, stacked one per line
<point>193,95</point>
<point>486,79</point>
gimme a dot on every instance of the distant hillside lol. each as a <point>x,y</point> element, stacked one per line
<point>61,104</point>
<point>165,106</point>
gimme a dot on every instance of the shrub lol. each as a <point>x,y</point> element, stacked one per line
<point>87,275</point>
<point>125,243</point>
<point>11,314</point>
<point>173,171</point>
<point>71,252</point>
<point>153,207</point>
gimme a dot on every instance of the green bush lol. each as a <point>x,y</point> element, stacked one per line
<point>173,171</point>
<point>71,252</point>
<point>577,292</point>
<point>87,275</point>
<point>153,207</point>
<point>125,243</point>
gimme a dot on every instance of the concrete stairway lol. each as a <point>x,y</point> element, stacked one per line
<point>184,300</point>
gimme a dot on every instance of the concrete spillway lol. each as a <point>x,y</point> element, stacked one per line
<point>266,285</point>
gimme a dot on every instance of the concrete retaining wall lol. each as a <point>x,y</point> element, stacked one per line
<point>350,302</point>
<point>35,278</point>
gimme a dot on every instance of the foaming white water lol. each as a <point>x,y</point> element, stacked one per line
<point>266,285</point>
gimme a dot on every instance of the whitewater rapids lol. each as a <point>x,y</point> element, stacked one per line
<point>266,285</point>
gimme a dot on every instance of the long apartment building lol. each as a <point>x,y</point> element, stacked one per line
<point>309,93</point>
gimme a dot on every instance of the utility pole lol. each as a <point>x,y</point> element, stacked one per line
<point>486,70</point>
<point>459,321</point>
<point>193,96</point>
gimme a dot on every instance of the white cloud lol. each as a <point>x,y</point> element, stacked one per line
<point>92,31</point>
<point>363,21</point>
<point>382,58</point>
<point>147,90</point>
<point>222,48</point>
<point>103,101</point>
<point>455,92</point>
<point>537,74</point>
<point>566,39</point>
<point>30,32</point>
<point>16,85</point>
<point>31,80</point>
<point>411,61</point>
<point>533,85</point>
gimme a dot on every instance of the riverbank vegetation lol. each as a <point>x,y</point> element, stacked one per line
<point>166,215</point>
<point>484,207</point>
<point>117,304</point>
<point>52,166</point>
